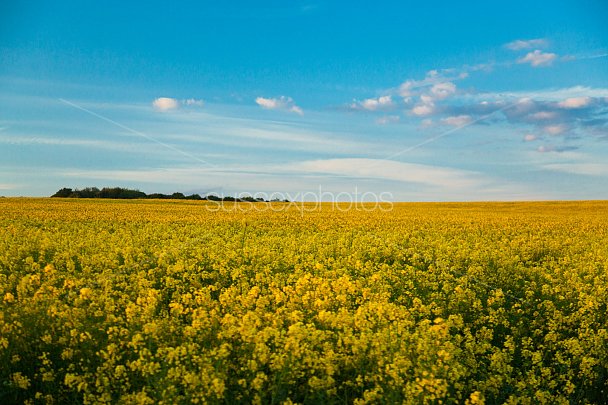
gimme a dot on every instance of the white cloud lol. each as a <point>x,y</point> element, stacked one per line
<point>374,104</point>
<point>427,99</point>
<point>433,77</point>
<point>406,88</point>
<point>423,109</point>
<point>458,120</point>
<point>418,96</point>
<point>281,103</point>
<point>443,90</point>
<point>168,103</point>
<point>575,102</point>
<point>436,86</point>
<point>165,104</point>
<point>388,119</point>
<point>297,110</point>
<point>520,44</point>
<point>538,58</point>
<point>269,103</point>
<point>530,137</point>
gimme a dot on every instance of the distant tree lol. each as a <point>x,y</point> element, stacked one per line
<point>126,193</point>
<point>63,193</point>
<point>89,192</point>
<point>157,196</point>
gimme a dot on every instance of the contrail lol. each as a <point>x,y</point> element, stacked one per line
<point>148,137</point>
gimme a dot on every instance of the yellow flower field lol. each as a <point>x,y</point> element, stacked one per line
<point>173,302</point>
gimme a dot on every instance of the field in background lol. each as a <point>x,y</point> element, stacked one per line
<point>172,302</point>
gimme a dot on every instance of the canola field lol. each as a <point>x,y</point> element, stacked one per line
<point>170,302</point>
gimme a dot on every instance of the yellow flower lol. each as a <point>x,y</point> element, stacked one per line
<point>86,293</point>
<point>20,380</point>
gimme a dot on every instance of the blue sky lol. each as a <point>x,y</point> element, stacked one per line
<point>423,102</point>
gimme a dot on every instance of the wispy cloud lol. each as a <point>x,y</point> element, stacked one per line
<point>193,102</point>
<point>553,94</point>
<point>556,149</point>
<point>388,119</point>
<point>349,168</point>
<point>458,120</point>
<point>382,103</point>
<point>556,129</point>
<point>169,104</point>
<point>415,181</point>
<point>585,169</point>
<point>425,97</point>
<point>23,140</point>
<point>135,132</point>
<point>521,44</point>
<point>439,81</point>
<point>202,131</point>
<point>543,115</point>
<point>281,103</point>
<point>391,170</point>
<point>443,90</point>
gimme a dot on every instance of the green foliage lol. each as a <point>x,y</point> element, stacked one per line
<point>128,194</point>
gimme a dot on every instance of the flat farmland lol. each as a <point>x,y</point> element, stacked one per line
<point>145,301</point>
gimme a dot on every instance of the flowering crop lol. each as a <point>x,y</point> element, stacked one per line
<point>169,302</point>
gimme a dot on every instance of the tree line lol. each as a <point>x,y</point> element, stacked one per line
<point>125,193</point>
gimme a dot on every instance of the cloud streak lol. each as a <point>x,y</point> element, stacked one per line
<point>391,170</point>
<point>411,181</point>
<point>165,104</point>
<point>521,44</point>
<point>584,169</point>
